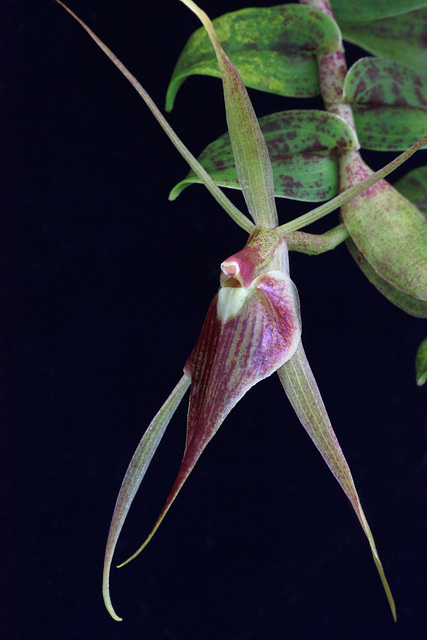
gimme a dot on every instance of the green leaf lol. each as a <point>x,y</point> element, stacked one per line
<point>413,186</point>
<point>400,38</point>
<point>389,128</point>
<point>249,148</point>
<point>407,303</point>
<point>421,363</point>
<point>133,478</point>
<point>389,103</point>
<point>347,194</point>
<point>388,230</point>
<point>372,9</point>
<point>274,49</point>
<point>303,149</point>
<point>300,386</point>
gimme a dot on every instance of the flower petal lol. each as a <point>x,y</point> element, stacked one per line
<point>230,357</point>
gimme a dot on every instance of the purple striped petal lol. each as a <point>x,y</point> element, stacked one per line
<point>249,332</point>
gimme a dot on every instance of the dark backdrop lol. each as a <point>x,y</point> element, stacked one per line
<point>105,284</point>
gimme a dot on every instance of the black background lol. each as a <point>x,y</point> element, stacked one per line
<point>105,284</point>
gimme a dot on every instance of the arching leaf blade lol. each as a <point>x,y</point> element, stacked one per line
<point>386,128</point>
<point>407,303</point>
<point>307,177</point>
<point>413,186</point>
<point>249,148</point>
<point>421,363</point>
<point>400,38</point>
<point>303,148</point>
<point>380,81</point>
<point>369,10</point>
<point>273,48</point>
<point>389,103</point>
<point>291,74</point>
<point>388,230</point>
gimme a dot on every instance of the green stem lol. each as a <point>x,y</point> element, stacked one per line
<point>314,244</point>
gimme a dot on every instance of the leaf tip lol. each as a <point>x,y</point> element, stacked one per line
<point>421,363</point>
<point>177,190</point>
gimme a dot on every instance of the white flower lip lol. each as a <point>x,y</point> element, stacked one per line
<point>230,301</point>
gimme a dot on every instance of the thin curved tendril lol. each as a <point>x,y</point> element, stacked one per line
<point>239,218</point>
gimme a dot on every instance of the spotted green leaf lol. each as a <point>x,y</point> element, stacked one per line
<point>303,148</point>
<point>407,303</point>
<point>421,363</point>
<point>389,103</point>
<point>250,151</point>
<point>390,233</point>
<point>414,187</point>
<point>400,38</point>
<point>372,9</point>
<point>274,49</point>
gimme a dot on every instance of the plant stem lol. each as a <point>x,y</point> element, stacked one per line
<point>332,72</point>
<point>314,244</point>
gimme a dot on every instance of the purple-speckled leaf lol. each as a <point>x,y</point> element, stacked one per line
<point>273,48</point>
<point>421,363</point>
<point>400,38</point>
<point>389,231</point>
<point>389,103</point>
<point>413,186</point>
<point>250,151</point>
<point>303,148</point>
<point>407,303</point>
<point>372,9</point>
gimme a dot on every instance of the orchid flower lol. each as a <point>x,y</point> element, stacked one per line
<point>253,327</point>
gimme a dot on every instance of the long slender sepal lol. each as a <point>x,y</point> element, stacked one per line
<point>239,218</point>
<point>133,478</point>
<point>345,196</point>
<point>250,150</point>
<point>300,386</point>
